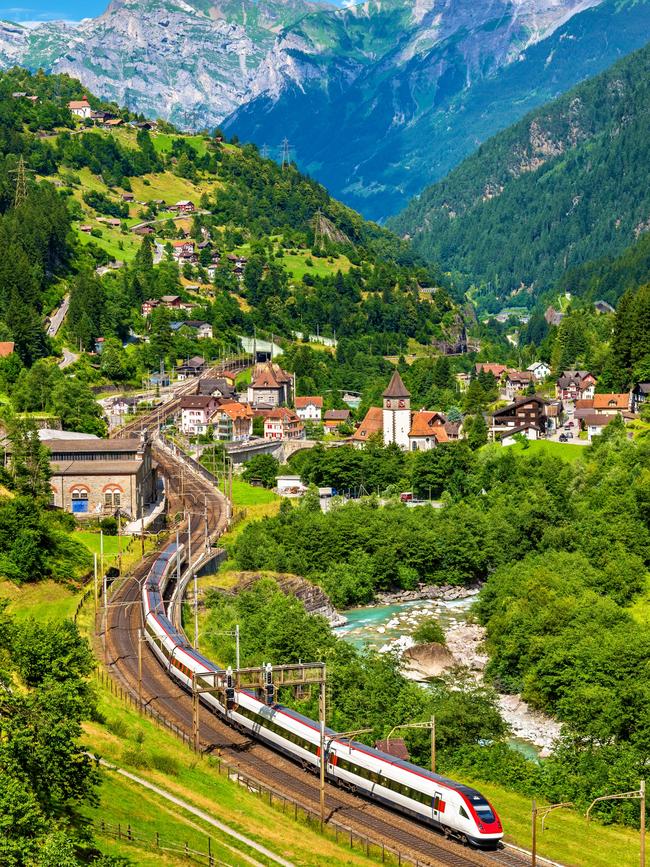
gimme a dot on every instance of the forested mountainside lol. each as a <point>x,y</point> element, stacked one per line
<point>364,93</point>
<point>567,184</point>
<point>376,132</point>
<point>265,246</point>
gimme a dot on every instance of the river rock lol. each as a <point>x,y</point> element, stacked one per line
<point>426,660</point>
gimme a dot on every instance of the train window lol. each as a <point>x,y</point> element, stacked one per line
<point>484,812</point>
<point>462,812</point>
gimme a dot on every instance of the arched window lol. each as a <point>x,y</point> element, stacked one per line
<point>79,497</point>
<point>112,497</point>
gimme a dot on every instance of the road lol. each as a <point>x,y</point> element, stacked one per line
<point>68,358</point>
<point>56,320</point>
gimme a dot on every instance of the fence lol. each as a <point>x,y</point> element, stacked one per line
<point>334,828</point>
<point>158,843</point>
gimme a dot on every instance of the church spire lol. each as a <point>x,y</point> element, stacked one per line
<point>396,388</point>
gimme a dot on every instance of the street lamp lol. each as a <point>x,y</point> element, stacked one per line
<point>624,796</point>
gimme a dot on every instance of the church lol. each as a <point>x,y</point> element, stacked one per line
<point>397,423</point>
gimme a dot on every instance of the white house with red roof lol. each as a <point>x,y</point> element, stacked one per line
<point>80,107</point>
<point>309,408</point>
<point>196,411</point>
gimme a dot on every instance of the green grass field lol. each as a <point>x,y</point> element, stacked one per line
<point>297,265</point>
<point>245,495</point>
<point>567,451</point>
<point>45,600</point>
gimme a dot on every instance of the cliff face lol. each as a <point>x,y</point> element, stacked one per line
<point>313,597</point>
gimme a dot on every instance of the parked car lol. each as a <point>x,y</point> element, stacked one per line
<point>563,438</point>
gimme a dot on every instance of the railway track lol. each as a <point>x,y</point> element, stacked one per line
<point>254,760</point>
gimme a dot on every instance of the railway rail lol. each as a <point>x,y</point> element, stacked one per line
<point>190,492</point>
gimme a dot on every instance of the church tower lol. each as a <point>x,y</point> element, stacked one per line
<point>397,412</point>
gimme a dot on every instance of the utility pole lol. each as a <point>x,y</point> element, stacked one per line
<point>433,744</point>
<point>140,668</point>
<point>207,529</point>
<point>196,612</point>
<point>142,522</point>
<point>237,646</point>
<point>624,796</point>
<point>95,579</point>
<point>286,158</point>
<point>101,553</point>
<point>321,708</point>
<point>533,845</point>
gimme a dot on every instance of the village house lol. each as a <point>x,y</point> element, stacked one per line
<point>192,367</point>
<point>92,476</point>
<point>232,422</point>
<point>427,430</point>
<point>540,370</point>
<point>523,413</point>
<point>497,370</point>
<point>334,418</point>
<point>283,424</point>
<point>309,408</point>
<point>575,384</point>
<point>185,206</point>
<point>639,396</point>
<point>183,252</point>
<point>529,431</point>
<point>270,386</point>
<point>596,424</point>
<point>611,404</point>
<point>171,302</point>
<point>149,305</point>
<point>196,411</point>
<point>202,329</point>
<point>218,387</point>
<point>124,405</point>
<point>517,381</point>
<point>553,316</point>
<point>80,107</point>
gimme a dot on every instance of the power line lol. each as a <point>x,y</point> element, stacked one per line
<point>286,154</point>
<point>21,182</point>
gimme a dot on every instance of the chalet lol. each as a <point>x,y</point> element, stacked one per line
<point>6,348</point>
<point>603,307</point>
<point>184,207</point>
<point>201,329</point>
<point>427,430</point>
<point>183,251</point>
<point>92,476</point>
<point>540,370</point>
<point>192,367</point>
<point>517,381</point>
<point>283,424</point>
<point>453,429</point>
<point>524,412</point>
<point>128,197</point>
<point>270,385</point>
<point>373,423</point>
<point>196,412</point>
<point>640,395</point>
<point>86,229</point>
<point>80,107</point>
<point>172,302</point>
<point>309,408</point>
<point>334,418</point>
<point>143,230</point>
<point>575,384</point>
<point>220,388</point>
<point>149,305</point>
<point>232,422</point>
<point>611,404</point>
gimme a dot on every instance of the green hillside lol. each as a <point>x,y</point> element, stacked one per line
<point>563,186</point>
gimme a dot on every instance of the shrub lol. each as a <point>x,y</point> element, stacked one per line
<point>429,632</point>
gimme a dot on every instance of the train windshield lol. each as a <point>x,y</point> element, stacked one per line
<point>484,811</point>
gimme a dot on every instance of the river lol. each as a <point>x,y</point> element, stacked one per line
<point>390,627</point>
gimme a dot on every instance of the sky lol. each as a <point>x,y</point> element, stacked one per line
<point>51,10</point>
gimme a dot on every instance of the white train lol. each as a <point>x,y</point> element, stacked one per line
<point>456,809</point>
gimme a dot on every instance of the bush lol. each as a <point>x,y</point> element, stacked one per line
<point>109,525</point>
<point>429,632</point>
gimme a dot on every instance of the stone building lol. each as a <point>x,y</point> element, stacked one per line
<point>96,477</point>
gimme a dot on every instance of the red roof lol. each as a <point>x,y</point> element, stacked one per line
<point>424,424</point>
<point>611,401</point>
<point>6,348</point>
<point>488,367</point>
<point>79,103</point>
<point>302,402</point>
<point>372,423</point>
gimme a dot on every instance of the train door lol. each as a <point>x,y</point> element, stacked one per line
<point>438,807</point>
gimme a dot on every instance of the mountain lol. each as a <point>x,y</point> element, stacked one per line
<point>565,185</point>
<point>377,100</point>
<point>191,63</point>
